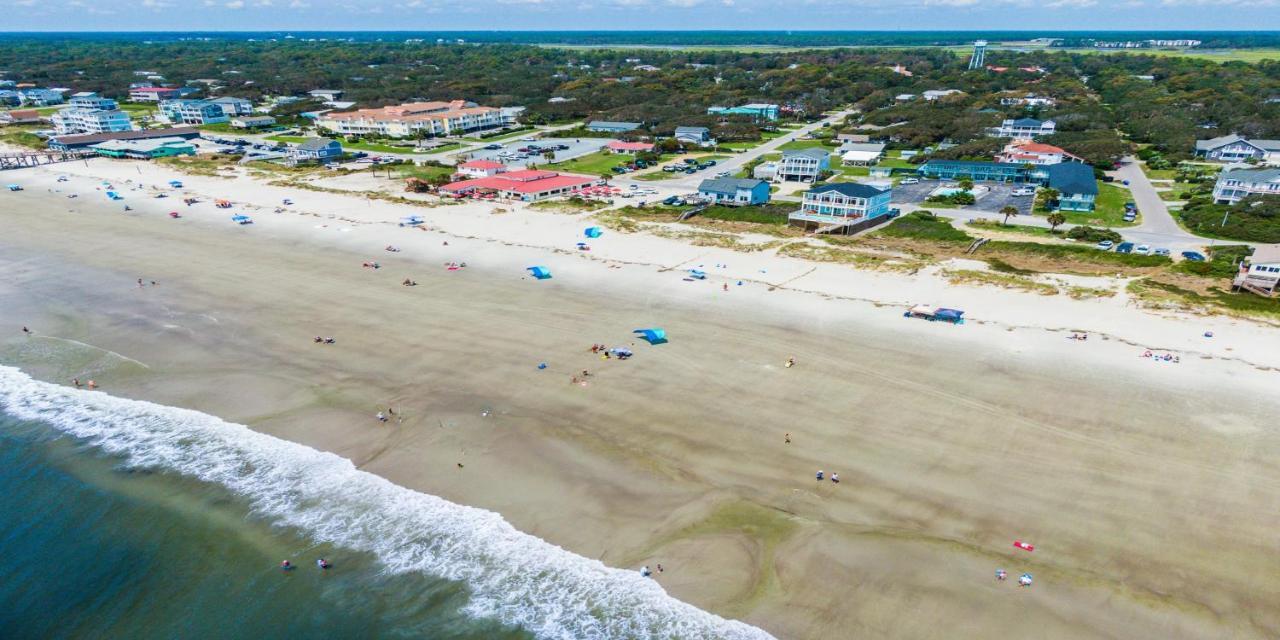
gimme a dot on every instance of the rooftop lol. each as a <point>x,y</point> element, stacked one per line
<point>810,152</point>
<point>414,111</point>
<point>1073,177</point>
<point>729,185</point>
<point>851,189</point>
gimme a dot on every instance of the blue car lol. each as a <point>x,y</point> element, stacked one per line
<point>1124,247</point>
<point>1194,256</point>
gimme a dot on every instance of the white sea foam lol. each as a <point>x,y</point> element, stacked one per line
<point>512,576</point>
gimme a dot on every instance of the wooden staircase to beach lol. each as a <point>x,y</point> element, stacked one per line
<point>37,158</point>
<point>975,245</point>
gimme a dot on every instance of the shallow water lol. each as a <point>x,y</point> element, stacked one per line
<point>130,519</point>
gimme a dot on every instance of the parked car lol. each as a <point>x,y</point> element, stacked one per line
<point>1194,256</point>
<point>1143,250</point>
<point>1124,247</point>
<point>493,147</point>
<point>710,163</point>
<point>1130,217</point>
<point>1106,245</point>
<point>691,161</point>
<point>1161,251</point>
<point>1130,206</point>
<point>910,181</point>
<point>673,200</point>
<point>1023,191</point>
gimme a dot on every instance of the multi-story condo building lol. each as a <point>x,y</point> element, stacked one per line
<point>1023,128</point>
<point>153,94</point>
<point>192,112</point>
<point>34,97</point>
<point>232,106</point>
<point>755,110</point>
<point>414,119</point>
<point>86,120</point>
<point>91,100</point>
<point>1233,186</point>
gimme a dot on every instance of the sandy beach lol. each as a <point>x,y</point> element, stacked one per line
<point>1148,488</point>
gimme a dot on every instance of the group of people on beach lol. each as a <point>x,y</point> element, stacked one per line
<point>320,340</point>
<point>835,477</point>
<point>1167,357</point>
<point>647,572</point>
<point>1078,336</point>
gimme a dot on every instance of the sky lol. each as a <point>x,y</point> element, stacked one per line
<point>511,15</point>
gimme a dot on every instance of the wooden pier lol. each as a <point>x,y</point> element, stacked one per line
<point>37,158</point>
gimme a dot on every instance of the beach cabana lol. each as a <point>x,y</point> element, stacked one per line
<point>176,184</point>
<point>652,335</point>
<point>592,232</point>
<point>697,275</point>
<point>242,219</point>
<point>540,273</point>
<point>114,196</point>
<point>15,187</point>
<point>410,221</point>
<point>954,316</point>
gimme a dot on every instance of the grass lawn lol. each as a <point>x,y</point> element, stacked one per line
<point>1108,211</point>
<point>1159,174</point>
<point>137,110</point>
<point>593,164</point>
<point>775,214</point>
<point>428,172</point>
<point>1020,229</point>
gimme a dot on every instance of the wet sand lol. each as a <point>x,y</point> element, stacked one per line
<point>1149,490</point>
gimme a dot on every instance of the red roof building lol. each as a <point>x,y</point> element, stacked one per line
<point>1036,153</point>
<point>527,184</point>
<point>481,168</point>
<point>618,146</point>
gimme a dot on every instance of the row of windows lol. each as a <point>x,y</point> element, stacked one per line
<point>1258,267</point>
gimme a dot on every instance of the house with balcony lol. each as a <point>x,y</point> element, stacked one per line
<point>1023,128</point>
<point>91,100</point>
<point>700,136</point>
<point>196,112</point>
<point>1035,153</point>
<point>233,106</point>
<point>734,191</point>
<point>252,122</point>
<point>1235,185</point>
<point>1234,148</point>
<point>803,165</point>
<point>860,154</point>
<point>19,116</point>
<point>1260,272</point>
<point>842,203</point>
<point>37,97</point>
<point>320,150</point>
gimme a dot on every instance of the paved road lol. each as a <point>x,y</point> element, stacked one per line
<point>735,162</point>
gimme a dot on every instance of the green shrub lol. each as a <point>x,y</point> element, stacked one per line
<point>924,225</point>
<point>1085,233</point>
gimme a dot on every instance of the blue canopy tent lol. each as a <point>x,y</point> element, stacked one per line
<point>653,336</point>
<point>176,184</point>
<point>410,221</point>
<point>114,196</point>
<point>540,273</point>
<point>697,275</point>
<point>15,187</point>
<point>593,232</point>
<point>242,219</point>
<point>950,315</point>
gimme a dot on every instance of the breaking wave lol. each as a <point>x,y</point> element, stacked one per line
<point>512,577</point>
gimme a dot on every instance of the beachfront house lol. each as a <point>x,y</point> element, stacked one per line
<point>1023,129</point>
<point>425,119</point>
<point>320,150</point>
<point>606,126</point>
<point>803,165</point>
<point>528,185</point>
<point>840,203</point>
<point>1035,153</point>
<point>700,136</point>
<point>1235,185</point>
<point>480,169</point>
<point>195,112</point>
<point>153,94</point>
<point>846,138</point>
<point>1234,148</point>
<point>937,94</point>
<point>734,191</point>
<point>145,149</point>
<point>860,154</point>
<point>91,100</point>
<point>252,122</point>
<point>1076,185</point>
<point>756,111</point>
<point>1260,273</point>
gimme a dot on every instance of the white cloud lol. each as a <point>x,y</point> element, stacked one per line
<point>684,3</point>
<point>156,4</point>
<point>25,3</point>
<point>1071,4</point>
<point>235,4</point>
<point>298,4</point>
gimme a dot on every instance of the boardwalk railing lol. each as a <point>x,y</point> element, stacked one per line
<point>37,158</point>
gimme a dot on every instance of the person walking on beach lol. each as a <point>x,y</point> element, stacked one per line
<point>819,475</point>
<point>835,477</point>
<point>786,438</point>
<point>381,417</point>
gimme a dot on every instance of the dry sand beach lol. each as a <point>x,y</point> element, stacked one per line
<point>1149,489</point>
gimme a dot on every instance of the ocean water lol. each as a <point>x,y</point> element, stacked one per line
<point>128,519</point>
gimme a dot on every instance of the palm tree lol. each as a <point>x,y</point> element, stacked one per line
<point>1008,211</point>
<point>1056,218</point>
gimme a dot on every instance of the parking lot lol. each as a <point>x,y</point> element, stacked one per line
<point>997,196</point>
<point>509,152</point>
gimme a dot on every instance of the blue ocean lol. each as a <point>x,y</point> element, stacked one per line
<point>127,519</point>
